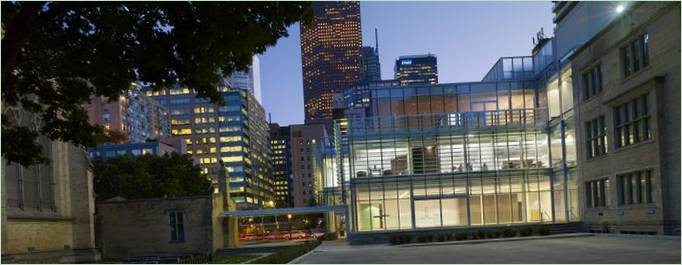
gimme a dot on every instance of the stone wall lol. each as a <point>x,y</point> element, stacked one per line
<point>132,228</point>
<point>61,228</point>
<point>661,80</point>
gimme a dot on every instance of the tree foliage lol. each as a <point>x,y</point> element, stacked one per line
<point>148,176</point>
<point>57,55</point>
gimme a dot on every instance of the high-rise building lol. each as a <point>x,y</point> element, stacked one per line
<point>134,114</point>
<point>370,64</point>
<point>306,181</point>
<point>416,69</point>
<point>331,56</point>
<point>280,156</point>
<point>235,133</point>
<point>249,80</point>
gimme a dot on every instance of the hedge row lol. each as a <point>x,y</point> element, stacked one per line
<point>469,235</point>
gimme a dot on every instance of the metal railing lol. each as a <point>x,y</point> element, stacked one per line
<point>519,118</point>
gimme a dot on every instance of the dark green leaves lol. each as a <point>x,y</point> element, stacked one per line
<point>58,55</point>
<point>148,176</point>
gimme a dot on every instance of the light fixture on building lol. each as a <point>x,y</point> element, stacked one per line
<point>620,8</point>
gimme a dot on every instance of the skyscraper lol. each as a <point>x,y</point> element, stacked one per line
<point>249,80</point>
<point>330,50</point>
<point>371,67</point>
<point>134,114</point>
<point>235,133</point>
<point>370,64</point>
<point>280,156</point>
<point>416,69</point>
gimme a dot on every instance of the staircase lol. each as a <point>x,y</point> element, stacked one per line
<point>565,228</point>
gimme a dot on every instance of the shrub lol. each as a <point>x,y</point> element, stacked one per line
<point>543,230</point>
<point>405,239</point>
<point>462,236</point>
<point>508,232</point>
<point>526,231</point>
<point>440,237</point>
<point>449,236</point>
<point>493,233</point>
<point>480,234</point>
<point>395,240</point>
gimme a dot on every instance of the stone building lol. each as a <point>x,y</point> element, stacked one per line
<point>627,110</point>
<point>160,227</point>
<point>48,209</point>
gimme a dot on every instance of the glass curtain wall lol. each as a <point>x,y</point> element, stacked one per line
<point>452,200</point>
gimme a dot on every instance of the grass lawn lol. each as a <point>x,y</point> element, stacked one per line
<point>288,254</point>
<point>234,258</point>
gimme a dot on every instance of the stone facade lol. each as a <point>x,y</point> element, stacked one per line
<point>134,228</point>
<point>660,154</point>
<point>48,209</point>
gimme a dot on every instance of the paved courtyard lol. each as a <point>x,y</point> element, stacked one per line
<point>585,249</point>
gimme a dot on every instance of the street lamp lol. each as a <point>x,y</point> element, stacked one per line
<point>290,233</point>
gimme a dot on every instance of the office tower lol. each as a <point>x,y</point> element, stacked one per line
<point>235,133</point>
<point>305,163</point>
<point>249,80</point>
<point>331,56</point>
<point>416,70</point>
<point>371,66</point>
<point>134,114</point>
<point>280,155</point>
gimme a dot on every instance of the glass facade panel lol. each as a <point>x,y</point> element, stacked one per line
<point>456,155</point>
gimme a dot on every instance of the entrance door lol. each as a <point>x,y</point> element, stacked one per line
<point>427,213</point>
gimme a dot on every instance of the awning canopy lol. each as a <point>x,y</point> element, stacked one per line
<point>285,211</point>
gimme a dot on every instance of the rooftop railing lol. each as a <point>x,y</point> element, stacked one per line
<point>465,121</point>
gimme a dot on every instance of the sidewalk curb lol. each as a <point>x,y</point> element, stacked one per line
<point>480,241</point>
<point>664,237</point>
<point>298,259</point>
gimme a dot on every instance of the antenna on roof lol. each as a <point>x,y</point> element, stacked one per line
<point>376,40</point>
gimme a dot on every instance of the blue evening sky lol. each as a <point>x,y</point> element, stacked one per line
<point>467,38</point>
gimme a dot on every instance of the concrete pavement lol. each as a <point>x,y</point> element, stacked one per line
<point>590,249</point>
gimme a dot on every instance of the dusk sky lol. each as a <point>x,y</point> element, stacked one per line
<point>467,38</point>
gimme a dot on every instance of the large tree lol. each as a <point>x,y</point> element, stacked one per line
<point>148,176</point>
<point>57,55</point>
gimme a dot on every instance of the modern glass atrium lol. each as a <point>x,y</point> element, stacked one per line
<point>449,155</point>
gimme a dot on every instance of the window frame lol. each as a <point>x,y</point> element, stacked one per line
<point>635,188</point>
<point>635,54</point>
<point>596,138</point>
<point>176,231</point>
<point>632,122</point>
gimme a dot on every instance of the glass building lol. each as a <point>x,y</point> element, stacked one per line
<point>235,134</point>
<point>450,155</point>
<point>416,69</point>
